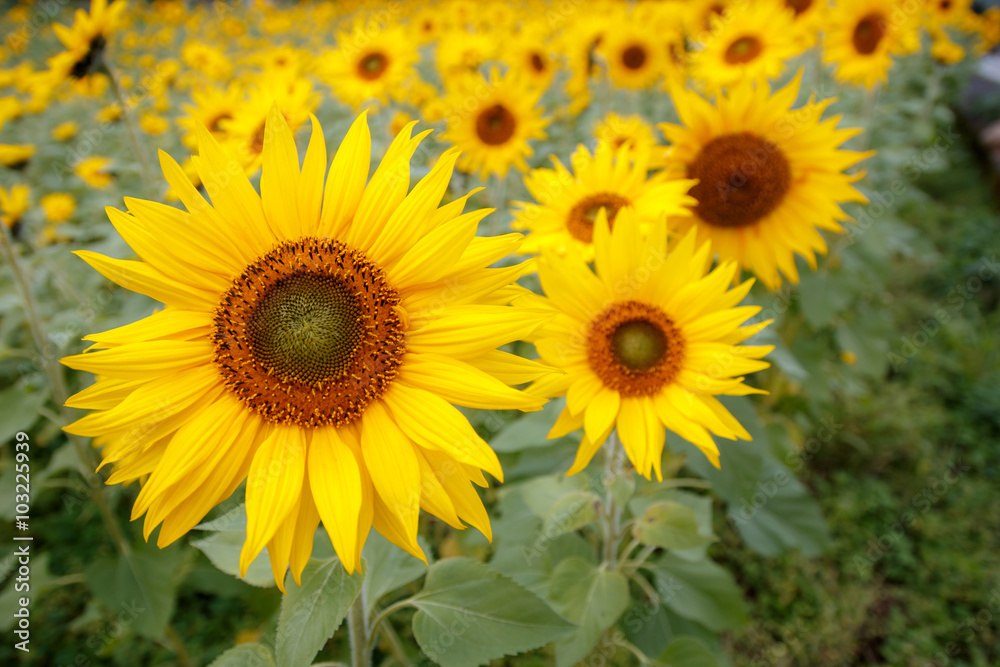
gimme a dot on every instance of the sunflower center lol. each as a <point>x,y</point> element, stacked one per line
<point>372,66</point>
<point>743,50</point>
<point>798,6</point>
<point>635,348</point>
<point>634,57</point>
<point>225,115</point>
<point>81,67</point>
<point>495,125</point>
<point>580,222</point>
<point>868,33</point>
<point>309,334</point>
<point>741,179</point>
<point>537,63</point>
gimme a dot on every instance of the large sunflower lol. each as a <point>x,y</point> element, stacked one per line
<point>492,120</point>
<point>608,181</point>
<point>646,343</point>
<point>751,41</point>
<point>863,35</point>
<point>313,343</point>
<point>85,40</point>
<point>769,177</point>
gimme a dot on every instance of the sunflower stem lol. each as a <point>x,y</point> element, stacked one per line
<point>357,628</point>
<point>133,127</point>
<point>612,512</point>
<point>57,383</point>
<point>868,117</point>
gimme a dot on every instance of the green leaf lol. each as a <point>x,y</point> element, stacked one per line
<point>669,525</point>
<point>19,410</point>
<point>542,493</point>
<point>531,563</point>
<point>223,548</point>
<point>686,652</point>
<point>468,615</point>
<point>529,431</point>
<point>245,655</point>
<point>701,591</point>
<point>139,587</point>
<point>311,613</point>
<point>591,597</point>
<point>571,512</point>
<point>388,567</point>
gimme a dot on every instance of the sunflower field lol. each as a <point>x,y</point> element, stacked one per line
<point>542,332</point>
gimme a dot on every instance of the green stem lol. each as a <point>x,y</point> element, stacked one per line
<point>382,616</point>
<point>357,627</point>
<point>59,392</point>
<point>395,645</point>
<point>177,646</point>
<point>133,129</point>
<point>612,513</point>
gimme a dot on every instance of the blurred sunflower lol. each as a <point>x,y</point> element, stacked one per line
<point>753,42</point>
<point>93,171</point>
<point>65,131</point>
<point>768,177</point>
<point>85,40</point>
<point>527,54</point>
<point>606,182</point>
<point>211,106</point>
<point>634,54</point>
<point>374,71</point>
<point>494,134</point>
<point>58,206</point>
<point>632,132</point>
<point>863,35</point>
<point>16,156</point>
<point>646,343</point>
<point>303,349</point>
<point>14,203</point>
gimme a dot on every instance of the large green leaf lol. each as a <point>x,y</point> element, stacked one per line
<point>670,525</point>
<point>468,615</point>
<point>388,567</point>
<point>139,587</point>
<point>19,410</point>
<point>571,512</point>
<point>532,564</point>
<point>687,652</point>
<point>590,596</point>
<point>245,655</point>
<point>312,612</point>
<point>701,591</point>
<point>223,548</point>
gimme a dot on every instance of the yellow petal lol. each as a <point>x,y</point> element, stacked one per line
<point>335,480</point>
<point>279,178</point>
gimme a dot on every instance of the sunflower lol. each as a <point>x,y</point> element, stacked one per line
<point>751,41</point>
<point>245,130</point>
<point>459,52</point>
<point>211,106</point>
<point>579,43</point>
<point>94,171</point>
<point>58,206</point>
<point>809,16</point>
<point>375,71</point>
<point>946,12</point>
<point>304,348</point>
<point>16,156</point>
<point>494,130</point>
<point>608,181</point>
<point>14,203</point>
<point>863,35</point>
<point>527,54</point>
<point>634,54</point>
<point>769,177</point>
<point>65,131</point>
<point>646,343</point>
<point>634,133</point>
<point>85,40</point>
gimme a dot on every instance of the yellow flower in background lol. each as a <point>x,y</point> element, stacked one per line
<point>579,43</point>
<point>109,114</point>
<point>65,131</point>
<point>492,120</point>
<point>751,41</point>
<point>206,59</point>
<point>10,109</point>
<point>944,50</point>
<point>528,54</point>
<point>304,349</point>
<point>58,206</point>
<point>13,204</point>
<point>809,16</point>
<point>211,107</point>
<point>646,344</point>
<point>946,12</point>
<point>863,35</point>
<point>399,121</point>
<point>86,39</point>
<point>769,177</point>
<point>607,182</point>
<point>375,71</point>
<point>633,52</point>
<point>460,53</point>
<point>153,124</point>
<point>93,171</point>
<point>16,156</point>
<point>632,132</point>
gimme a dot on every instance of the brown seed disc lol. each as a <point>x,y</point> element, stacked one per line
<point>537,62</point>
<point>580,221</point>
<point>743,50</point>
<point>634,57</point>
<point>309,334</point>
<point>798,6</point>
<point>495,125</point>
<point>741,178</point>
<point>868,33</point>
<point>372,66</point>
<point>635,349</point>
